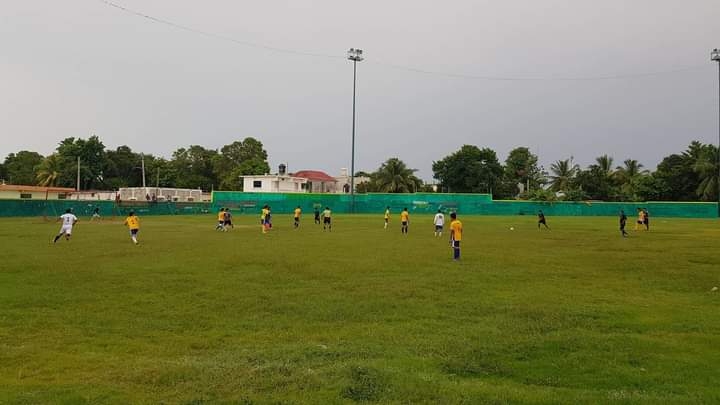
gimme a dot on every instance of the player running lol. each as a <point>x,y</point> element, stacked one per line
<point>541,220</point>
<point>96,214</point>
<point>68,219</point>
<point>220,220</point>
<point>133,223</point>
<point>646,219</point>
<point>296,217</point>
<point>327,219</point>
<point>404,220</point>
<point>317,216</point>
<point>455,235</point>
<point>387,216</point>
<point>641,219</point>
<point>227,220</point>
<point>439,222</point>
<point>623,221</point>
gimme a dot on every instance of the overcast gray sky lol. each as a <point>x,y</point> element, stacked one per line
<point>78,67</point>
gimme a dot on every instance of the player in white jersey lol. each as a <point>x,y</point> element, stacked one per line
<point>439,222</point>
<point>68,220</point>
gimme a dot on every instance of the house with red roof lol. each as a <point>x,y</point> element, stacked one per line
<point>303,181</point>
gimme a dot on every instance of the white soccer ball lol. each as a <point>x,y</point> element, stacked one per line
<point>512,228</point>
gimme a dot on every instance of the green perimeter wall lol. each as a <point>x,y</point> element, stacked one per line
<point>52,208</point>
<point>468,204</point>
<point>250,203</point>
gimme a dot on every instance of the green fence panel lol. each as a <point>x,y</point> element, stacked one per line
<point>53,208</point>
<point>468,204</point>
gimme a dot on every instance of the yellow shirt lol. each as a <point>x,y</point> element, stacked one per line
<point>297,212</point>
<point>133,222</point>
<point>221,216</point>
<point>327,213</point>
<point>265,211</point>
<point>387,214</point>
<point>456,230</point>
<point>404,216</point>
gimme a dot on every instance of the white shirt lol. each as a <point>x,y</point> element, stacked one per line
<point>68,219</point>
<point>439,219</point>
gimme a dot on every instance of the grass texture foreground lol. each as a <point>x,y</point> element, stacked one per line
<point>360,314</point>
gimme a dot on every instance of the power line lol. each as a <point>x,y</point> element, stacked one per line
<point>396,66</point>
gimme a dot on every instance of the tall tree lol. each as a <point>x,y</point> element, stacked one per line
<point>193,168</point>
<point>521,168</point>
<point>469,170</point>
<point>21,167</point>
<point>240,158</point>
<point>706,166</point>
<point>123,168</point>
<point>677,172</point>
<point>597,181</point>
<point>91,152</point>
<point>48,171</point>
<point>394,176</point>
<point>628,177</point>
<point>563,174</point>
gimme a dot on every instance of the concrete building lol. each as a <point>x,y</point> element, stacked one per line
<point>93,195</point>
<point>163,194</point>
<point>274,183</point>
<point>20,192</point>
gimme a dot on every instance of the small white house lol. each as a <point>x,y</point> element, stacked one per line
<point>274,183</point>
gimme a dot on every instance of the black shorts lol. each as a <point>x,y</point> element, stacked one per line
<point>404,223</point>
<point>456,244</point>
<point>541,221</point>
<point>297,219</point>
<point>134,231</point>
<point>227,222</point>
<point>326,220</point>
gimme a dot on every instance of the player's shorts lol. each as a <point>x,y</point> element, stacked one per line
<point>96,215</point>
<point>404,223</point>
<point>541,221</point>
<point>387,220</point>
<point>221,222</point>
<point>456,244</point>
<point>640,222</point>
<point>297,219</point>
<point>134,232</point>
<point>66,229</point>
<point>227,222</point>
<point>438,227</point>
<point>326,220</point>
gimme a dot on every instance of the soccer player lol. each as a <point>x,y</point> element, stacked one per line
<point>296,217</point>
<point>263,217</point>
<point>133,223</point>
<point>221,220</point>
<point>641,218</point>
<point>68,220</point>
<point>227,220</point>
<point>387,216</point>
<point>404,220</point>
<point>96,214</point>
<point>317,216</point>
<point>623,221</point>
<point>541,220</point>
<point>327,219</point>
<point>455,235</point>
<point>439,222</point>
<point>268,219</point>
<point>646,219</point>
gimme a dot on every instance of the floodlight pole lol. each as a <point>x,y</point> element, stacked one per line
<point>715,56</point>
<point>355,55</point>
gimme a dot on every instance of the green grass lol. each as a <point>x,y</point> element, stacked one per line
<point>191,316</point>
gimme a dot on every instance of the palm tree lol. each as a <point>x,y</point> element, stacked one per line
<point>395,177</point>
<point>630,171</point>
<point>604,163</point>
<point>563,172</point>
<point>48,171</point>
<point>706,167</point>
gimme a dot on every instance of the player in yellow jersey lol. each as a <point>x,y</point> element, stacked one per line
<point>455,235</point>
<point>133,223</point>
<point>641,219</point>
<point>405,220</point>
<point>296,217</point>
<point>387,216</point>
<point>221,220</point>
<point>264,218</point>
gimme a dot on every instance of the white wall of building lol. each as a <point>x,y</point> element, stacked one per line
<point>273,184</point>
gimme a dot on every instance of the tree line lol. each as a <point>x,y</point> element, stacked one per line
<point>691,175</point>
<point>108,169</point>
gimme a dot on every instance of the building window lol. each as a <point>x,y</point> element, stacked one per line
<point>62,196</point>
<point>25,195</point>
<point>257,183</point>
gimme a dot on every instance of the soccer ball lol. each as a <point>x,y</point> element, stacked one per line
<point>512,228</point>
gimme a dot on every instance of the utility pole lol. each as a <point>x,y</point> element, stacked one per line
<point>355,55</point>
<point>77,187</point>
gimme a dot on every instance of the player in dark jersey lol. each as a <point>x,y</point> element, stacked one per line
<point>541,220</point>
<point>623,222</point>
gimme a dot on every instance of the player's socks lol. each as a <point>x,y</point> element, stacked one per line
<point>56,238</point>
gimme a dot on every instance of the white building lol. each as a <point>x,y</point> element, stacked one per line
<point>274,183</point>
<point>163,194</point>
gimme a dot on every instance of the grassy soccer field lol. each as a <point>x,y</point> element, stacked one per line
<point>575,315</point>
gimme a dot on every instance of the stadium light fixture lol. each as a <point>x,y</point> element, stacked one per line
<point>355,55</point>
<point>715,56</point>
